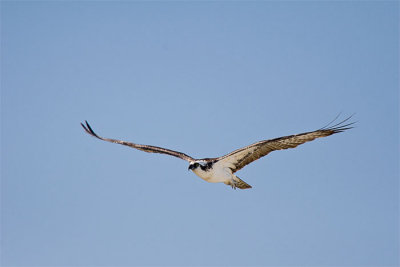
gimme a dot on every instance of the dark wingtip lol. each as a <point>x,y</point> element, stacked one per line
<point>89,129</point>
<point>84,127</point>
<point>341,126</point>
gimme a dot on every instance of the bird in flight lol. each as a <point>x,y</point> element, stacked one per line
<point>222,169</point>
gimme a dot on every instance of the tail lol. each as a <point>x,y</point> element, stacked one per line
<point>239,183</point>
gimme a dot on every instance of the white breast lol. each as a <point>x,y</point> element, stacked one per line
<point>217,174</point>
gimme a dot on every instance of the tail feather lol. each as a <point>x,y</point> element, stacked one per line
<point>241,184</point>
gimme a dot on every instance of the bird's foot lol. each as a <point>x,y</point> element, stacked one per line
<point>233,184</point>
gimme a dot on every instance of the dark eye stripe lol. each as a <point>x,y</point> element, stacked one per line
<point>207,166</point>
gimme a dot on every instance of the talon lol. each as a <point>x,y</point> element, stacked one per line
<point>233,184</point>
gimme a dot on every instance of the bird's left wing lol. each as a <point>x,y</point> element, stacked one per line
<point>241,157</point>
<point>145,148</point>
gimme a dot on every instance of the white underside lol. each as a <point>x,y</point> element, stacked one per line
<point>218,174</point>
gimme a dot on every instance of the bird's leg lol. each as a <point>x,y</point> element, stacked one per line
<point>233,184</point>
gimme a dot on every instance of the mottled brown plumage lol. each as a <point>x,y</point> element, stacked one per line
<point>145,148</point>
<point>246,155</point>
<point>222,169</point>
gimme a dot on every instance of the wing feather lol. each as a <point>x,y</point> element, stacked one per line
<point>241,157</point>
<point>145,148</point>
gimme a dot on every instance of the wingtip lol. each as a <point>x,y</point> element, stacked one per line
<point>89,129</point>
<point>84,127</point>
<point>341,126</point>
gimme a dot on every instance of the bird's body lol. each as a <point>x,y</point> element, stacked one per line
<point>214,171</point>
<point>208,171</point>
<point>222,169</point>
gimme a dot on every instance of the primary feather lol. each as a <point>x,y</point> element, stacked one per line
<point>222,169</point>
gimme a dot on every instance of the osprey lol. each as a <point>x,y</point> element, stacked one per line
<point>222,169</point>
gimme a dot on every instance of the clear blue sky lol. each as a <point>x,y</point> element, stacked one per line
<point>204,78</point>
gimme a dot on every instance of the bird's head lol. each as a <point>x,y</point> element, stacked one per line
<point>193,165</point>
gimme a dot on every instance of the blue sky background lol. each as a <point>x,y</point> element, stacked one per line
<point>204,78</point>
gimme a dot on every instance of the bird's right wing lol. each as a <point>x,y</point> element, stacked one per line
<point>145,148</point>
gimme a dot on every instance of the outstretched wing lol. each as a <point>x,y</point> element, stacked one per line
<point>145,148</point>
<point>244,156</point>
